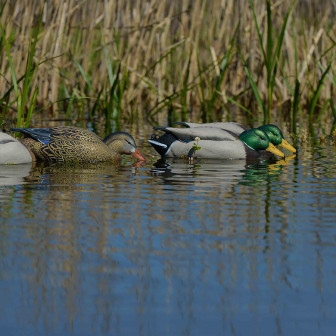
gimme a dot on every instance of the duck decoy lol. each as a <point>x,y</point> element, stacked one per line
<point>211,143</point>
<point>66,144</point>
<point>12,151</point>
<point>273,132</point>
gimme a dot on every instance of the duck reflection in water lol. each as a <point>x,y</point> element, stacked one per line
<point>215,172</point>
<point>64,174</point>
<point>14,174</point>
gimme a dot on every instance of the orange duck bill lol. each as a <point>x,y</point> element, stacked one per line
<point>138,155</point>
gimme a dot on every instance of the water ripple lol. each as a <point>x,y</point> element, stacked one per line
<point>86,247</point>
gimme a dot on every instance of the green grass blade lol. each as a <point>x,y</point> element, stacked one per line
<point>254,88</point>
<point>185,90</point>
<point>3,7</point>
<point>279,44</point>
<point>4,109</point>
<point>322,110</point>
<point>86,78</point>
<point>31,107</point>
<point>70,104</point>
<point>30,68</point>
<point>219,80</point>
<point>20,117</point>
<point>269,47</point>
<point>331,77</point>
<point>166,101</point>
<point>15,85</point>
<point>295,50</point>
<point>276,57</point>
<point>10,61</point>
<point>260,39</point>
<point>163,56</point>
<point>202,85</point>
<point>109,65</point>
<point>223,68</point>
<point>333,110</point>
<point>295,105</point>
<point>112,99</point>
<point>316,95</point>
<point>96,104</point>
<point>239,105</point>
<point>286,81</point>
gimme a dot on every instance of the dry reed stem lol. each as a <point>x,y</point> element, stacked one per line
<point>313,47</point>
<point>153,42</point>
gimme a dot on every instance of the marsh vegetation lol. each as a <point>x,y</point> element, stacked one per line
<point>157,61</point>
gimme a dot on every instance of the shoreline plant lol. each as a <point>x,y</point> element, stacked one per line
<point>139,61</point>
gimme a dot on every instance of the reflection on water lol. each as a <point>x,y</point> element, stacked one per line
<point>214,172</point>
<point>169,248</point>
<point>14,174</point>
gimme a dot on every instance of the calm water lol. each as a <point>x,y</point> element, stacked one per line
<point>168,248</point>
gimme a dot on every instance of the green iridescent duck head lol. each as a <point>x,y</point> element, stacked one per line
<point>276,137</point>
<point>257,139</point>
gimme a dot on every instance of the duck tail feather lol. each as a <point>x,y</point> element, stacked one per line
<point>182,123</point>
<point>159,128</point>
<point>162,143</point>
<point>40,134</point>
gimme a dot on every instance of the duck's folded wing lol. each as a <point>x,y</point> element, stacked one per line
<point>204,133</point>
<point>209,149</point>
<point>40,134</point>
<point>233,127</point>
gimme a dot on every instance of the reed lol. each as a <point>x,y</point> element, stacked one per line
<point>333,110</point>
<point>271,57</point>
<point>134,60</point>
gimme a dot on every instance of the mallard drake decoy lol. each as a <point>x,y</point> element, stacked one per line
<point>273,132</point>
<point>211,143</point>
<point>70,144</point>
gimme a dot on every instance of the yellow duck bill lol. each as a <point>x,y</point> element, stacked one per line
<point>287,146</point>
<point>271,148</point>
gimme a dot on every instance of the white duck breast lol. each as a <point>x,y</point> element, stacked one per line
<point>209,149</point>
<point>204,133</point>
<point>12,151</point>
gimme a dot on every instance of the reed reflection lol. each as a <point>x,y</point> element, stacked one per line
<point>109,250</point>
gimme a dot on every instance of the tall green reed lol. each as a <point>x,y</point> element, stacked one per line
<point>314,99</point>
<point>214,86</point>
<point>333,110</point>
<point>176,61</point>
<point>109,99</point>
<point>295,106</point>
<point>271,56</point>
<point>22,92</point>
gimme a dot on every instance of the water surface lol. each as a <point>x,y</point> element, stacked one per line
<point>169,248</point>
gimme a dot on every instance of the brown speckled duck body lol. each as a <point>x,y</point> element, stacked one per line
<point>73,144</point>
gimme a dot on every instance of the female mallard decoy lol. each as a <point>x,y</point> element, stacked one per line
<point>66,144</point>
<point>273,132</point>
<point>211,143</point>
